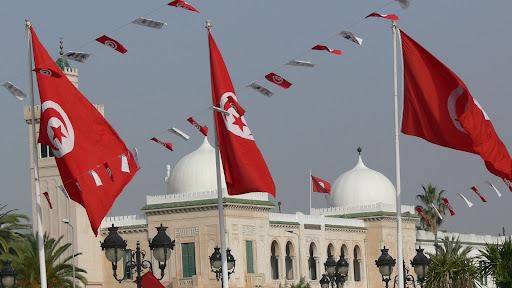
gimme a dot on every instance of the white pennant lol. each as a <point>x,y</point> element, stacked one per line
<point>77,56</point>
<point>149,23</point>
<point>15,91</point>
<point>136,155</point>
<point>260,89</point>
<point>352,37</point>
<point>125,167</point>
<point>96,177</point>
<point>301,63</point>
<point>179,133</point>
<point>469,203</point>
<point>495,189</point>
<point>437,211</point>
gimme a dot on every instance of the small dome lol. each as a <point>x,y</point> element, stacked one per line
<point>63,63</point>
<point>195,172</point>
<point>362,186</point>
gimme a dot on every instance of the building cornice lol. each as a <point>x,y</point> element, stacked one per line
<point>206,205</point>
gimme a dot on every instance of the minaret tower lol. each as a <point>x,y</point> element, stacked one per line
<point>81,235</point>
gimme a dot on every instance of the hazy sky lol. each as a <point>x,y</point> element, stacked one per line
<point>344,102</point>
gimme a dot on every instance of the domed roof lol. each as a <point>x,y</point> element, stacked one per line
<point>195,172</point>
<point>362,186</point>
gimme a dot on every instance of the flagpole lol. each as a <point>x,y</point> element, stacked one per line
<point>400,256</point>
<point>310,191</point>
<point>222,228</point>
<point>40,241</point>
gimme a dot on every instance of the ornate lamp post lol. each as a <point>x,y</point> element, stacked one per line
<point>420,263</point>
<point>335,273</point>
<point>7,275</point>
<point>216,263</point>
<point>115,250</point>
<point>385,263</point>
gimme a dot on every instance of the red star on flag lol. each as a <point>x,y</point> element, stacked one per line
<point>238,122</point>
<point>57,133</point>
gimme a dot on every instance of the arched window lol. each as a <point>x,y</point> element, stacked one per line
<point>312,262</point>
<point>274,260</point>
<point>330,250</point>
<point>288,260</point>
<point>344,251</point>
<point>357,263</point>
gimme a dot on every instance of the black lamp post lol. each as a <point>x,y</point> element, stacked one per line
<point>335,273</point>
<point>385,263</point>
<point>420,263</point>
<point>216,263</point>
<point>115,250</point>
<point>7,275</point>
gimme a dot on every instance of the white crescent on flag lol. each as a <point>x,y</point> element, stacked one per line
<point>235,123</point>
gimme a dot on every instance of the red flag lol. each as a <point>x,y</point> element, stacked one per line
<point>439,108</point>
<point>47,196</point>
<point>477,192</point>
<point>393,17</point>
<point>421,212</point>
<point>320,185</point>
<point>150,281</point>
<point>447,203</point>
<point>184,5</point>
<point>244,166</point>
<point>330,50</point>
<point>81,140</point>
<point>112,43</point>
<point>202,128</point>
<point>278,80</point>
<point>166,144</point>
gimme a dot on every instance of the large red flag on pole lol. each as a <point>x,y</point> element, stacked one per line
<point>245,169</point>
<point>439,108</point>
<point>94,163</point>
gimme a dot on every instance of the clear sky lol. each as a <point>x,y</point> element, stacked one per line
<point>344,102</point>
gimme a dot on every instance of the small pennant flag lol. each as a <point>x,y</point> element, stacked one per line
<point>48,72</point>
<point>180,133</point>
<point>125,167</point>
<point>149,23</point>
<point>260,89</point>
<point>278,80</point>
<point>325,48</point>
<point>136,154</point>
<point>149,280</point>
<point>202,128</point>
<point>47,196</point>
<point>392,17</point>
<point>469,203</point>
<point>320,185</point>
<point>421,212</point>
<point>77,56</point>
<point>109,171</point>
<point>166,144</point>
<point>15,91</point>
<point>508,183</point>
<point>112,43</point>
<point>301,63</point>
<point>447,204</point>
<point>437,211</point>
<point>494,188</point>
<point>352,37</point>
<point>96,178</point>
<point>184,5</point>
<point>477,192</point>
<point>63,190</point>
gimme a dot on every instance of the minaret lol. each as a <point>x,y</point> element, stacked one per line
<point>84,240</point>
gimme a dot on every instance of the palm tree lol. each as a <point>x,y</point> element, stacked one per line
<point>452,267</point>
<point>12,225</point>
<point>497,262</point>
<point>432,196</point>
<point>59,269</point>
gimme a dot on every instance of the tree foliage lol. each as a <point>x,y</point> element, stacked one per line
<point>497,263</point>
<point>432,196</point>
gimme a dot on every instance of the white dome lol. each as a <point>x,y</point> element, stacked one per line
<point>195,172</point>
<point>362,186</point>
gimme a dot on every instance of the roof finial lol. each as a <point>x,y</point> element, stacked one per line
<point>359,150</point>
<point>61,42</point>
<point>209,25</point>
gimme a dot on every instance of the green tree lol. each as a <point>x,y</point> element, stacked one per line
<point>302,284</point>
<point>497,262</point>
<point>59,269</point>
<point>12,225</point>
<point>432,196</point>
<point>452,267</point>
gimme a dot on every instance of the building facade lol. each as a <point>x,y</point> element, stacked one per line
<point>271,249</point>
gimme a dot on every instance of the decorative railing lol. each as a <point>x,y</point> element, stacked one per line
<point>315,219</point>
<point>255,280</point>
<point>121,221</point>
<point>376,207</point>
<point>171,198</point>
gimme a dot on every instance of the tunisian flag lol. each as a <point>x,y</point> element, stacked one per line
<point>320,185</point>
<point>150,281</point>
<point>83,142</point>
<point>245,169</point>
<point>439,108</point>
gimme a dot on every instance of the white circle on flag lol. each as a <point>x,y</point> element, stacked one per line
<point>111,44</point>
<point>452,107</point>
<point>278,79</point>
<point>46,72</point>
<point>321,184</point>
<point>66,143</point>
<point>231,119</point>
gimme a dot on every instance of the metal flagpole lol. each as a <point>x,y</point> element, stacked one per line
<point>310,191</point>
<point>400,256</point>
<point>222,227</point>
<point>40,241</point>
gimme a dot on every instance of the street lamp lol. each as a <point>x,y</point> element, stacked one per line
<point>7,275</point>
<point>385,263</point>
<point>67,222</point>
<point>420,263</point>
<point>115,250</point>
<point>216,263</point>
<point>335,273</point>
